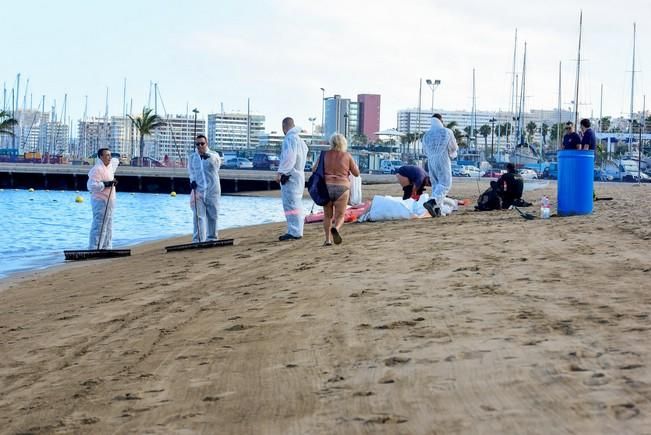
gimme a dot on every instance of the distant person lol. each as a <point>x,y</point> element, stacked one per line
<point>291,177</point>
<point>337,166</point>
<point>101,184</point>
<point>413,180</point>
<point>203,168</point>
<point>571,139</point>
<point>588,138</point>
<point>510,187</point>
<point>440,145</point>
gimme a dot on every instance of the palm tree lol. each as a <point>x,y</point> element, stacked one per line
<point>7,123</point>
<point>531,129</point>
<point>544,131</point>
<point>485,130</point>
<point>145,123</point>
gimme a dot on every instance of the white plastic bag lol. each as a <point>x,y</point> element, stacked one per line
<point>355,190</point>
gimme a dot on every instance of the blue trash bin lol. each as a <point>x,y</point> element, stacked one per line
<point>575,182</point>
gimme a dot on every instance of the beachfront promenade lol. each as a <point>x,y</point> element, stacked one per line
<point>137,179</point>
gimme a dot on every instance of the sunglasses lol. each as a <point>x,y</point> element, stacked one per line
<point>200,143</point>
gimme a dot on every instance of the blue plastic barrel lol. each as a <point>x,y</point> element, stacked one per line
<point>575,182</point>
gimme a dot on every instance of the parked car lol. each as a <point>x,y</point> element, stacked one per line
<point>551,171</point>
<point>470,171</point>
<point>600,175</point>
<point>266,161</point>
<point>633,178</point>
<point>308,166</point>
<point>528,174</point>
<point>493,173</point>
<point>456,170</point>
<point>238,163</point>
<point>390,166</point>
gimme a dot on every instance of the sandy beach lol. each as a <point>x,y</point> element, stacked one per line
<point>472,323</point>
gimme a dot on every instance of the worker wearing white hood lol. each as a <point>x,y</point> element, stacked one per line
<point>291,177</point>
<point>101,185</point>
<point>439,145</point>
<point>203,169</point>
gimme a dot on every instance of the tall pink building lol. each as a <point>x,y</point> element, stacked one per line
<point>369,115</point>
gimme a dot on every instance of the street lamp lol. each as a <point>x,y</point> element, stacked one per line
<point>312,119</point>
<point>322,112</point>
<point>492,121</point>
<point>433,85</point>
<point>346,125</point>
<point>195,111</point>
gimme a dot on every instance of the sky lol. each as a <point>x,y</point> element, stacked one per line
<point>279,53</point>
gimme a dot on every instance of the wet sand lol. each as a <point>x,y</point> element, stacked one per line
<point>472,323</point>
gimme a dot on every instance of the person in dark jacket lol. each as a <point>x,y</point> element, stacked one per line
<point>571,139</point>
<point>588,138</point>
<point>413,180</point>
<point>510,187</point>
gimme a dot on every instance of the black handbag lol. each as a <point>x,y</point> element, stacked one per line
<point>316,185</point>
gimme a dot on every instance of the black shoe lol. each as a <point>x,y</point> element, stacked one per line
<point>336,237</point>
<point>433,209</point>
<point>285,237</point>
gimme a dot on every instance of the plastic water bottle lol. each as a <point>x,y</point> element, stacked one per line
<point>544,208</point>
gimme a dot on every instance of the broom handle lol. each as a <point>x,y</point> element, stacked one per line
<point>101,231</point>
<point>196,213</point>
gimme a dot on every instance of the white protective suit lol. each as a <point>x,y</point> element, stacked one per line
<point>440,146</point>
<point>101,205</point>
<point>205,198</point>
<point>293,155</point>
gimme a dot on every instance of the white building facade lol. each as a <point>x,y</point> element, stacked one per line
<point>234,131</point>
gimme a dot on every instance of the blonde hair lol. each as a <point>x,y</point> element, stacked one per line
<point>338,142</point>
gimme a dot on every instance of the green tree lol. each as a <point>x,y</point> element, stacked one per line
<point>145,123</point>
<point>604,123</point>
<point>503,130</point>
<point>359,139</point>
<point>544,131</point>
<point>7,123</point>
<point>485,130</point>
<point>531,130</point>
<point>554,131</point>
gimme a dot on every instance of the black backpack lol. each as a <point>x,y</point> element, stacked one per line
<point>489,200</point>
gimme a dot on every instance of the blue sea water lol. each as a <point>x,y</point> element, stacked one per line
<point>36,227</point>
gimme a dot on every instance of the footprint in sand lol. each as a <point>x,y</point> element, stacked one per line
<point>396,360</point>
<point>625,411</point>
<point>596,379</point>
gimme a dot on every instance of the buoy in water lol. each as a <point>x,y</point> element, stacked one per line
<point>79,199</point>
<point>31,189</point>
<point>173,193</point>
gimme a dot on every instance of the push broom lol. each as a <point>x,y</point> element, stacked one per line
<point>93,254</point>
<point>199,245</point>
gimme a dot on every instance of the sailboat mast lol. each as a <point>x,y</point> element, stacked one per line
<point>105,125</point>
<point>578,69</point>
<point>522,93</point>
<point>560,110</point>
<point>514,82</point>
<point>630,143</point>
<point>123,145</point>
<point>473,116</point>
<point>639,145</point>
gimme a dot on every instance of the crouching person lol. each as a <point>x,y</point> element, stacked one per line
<point>510,187</point>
